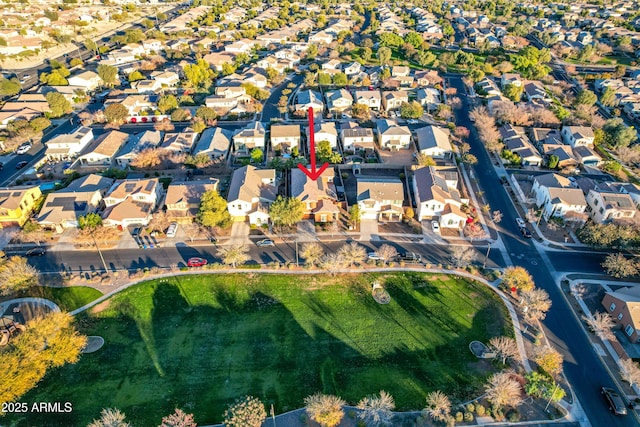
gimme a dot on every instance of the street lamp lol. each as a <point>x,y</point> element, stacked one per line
<point>486,256</point>
<point>104,264</point>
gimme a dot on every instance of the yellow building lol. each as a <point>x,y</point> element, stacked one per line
<point>16,204</point>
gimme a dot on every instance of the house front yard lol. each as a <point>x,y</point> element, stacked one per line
<point>199,342</point>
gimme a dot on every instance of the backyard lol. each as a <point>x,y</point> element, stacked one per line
<point>198,342</point>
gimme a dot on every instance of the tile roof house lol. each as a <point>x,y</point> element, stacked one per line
<point>62,208</point>
<point>380,198</point>
<point>68,145</point>
<point>102,151</point>
<point>179,142</point>
<point>623,305</point>
<point>138,143</point>
<point>577,135</point>
<point>606,206</point>
<point>131,202</point>
<point>566,158</point>
<point>437,197</point>
<point>88,80</point>
<point>285,137</point>
<point>513,79</point>
<point>318,196</point>
<point>338,100</point>
<point>324,131</point>
<point>253,136</point>
<point>356,138</point>
<point>371,98</point>
<point>251,192</point>
<point>428,97</point>
<point>392,100</point>
<point>433,141</point>
<point>183,199</point>
<point>309,99</point>
<point>16,204</point>
<point>427,78</point>
<point>214,142</point>
<point>557,197</point>
<point>392,136</point>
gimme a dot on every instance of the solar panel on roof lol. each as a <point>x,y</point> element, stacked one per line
<point>149,186</point>
<point>129,187</point>
<point>16,193</point>
<point>5,194</point>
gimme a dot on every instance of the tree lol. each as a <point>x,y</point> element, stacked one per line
<point>198,126</point>
<point>180,115</point>
<point>503,390</point>
<point>601,324</point>
<point>469,159</point>
<point>354,214</point>
<point>58,104</point>
<point>425,160</point>
<point>513,92</point>
<point>311,252</point>
<point>617,265</point>
<point>386,253</point>
<point>377,410</point>
<point>199,75</point>
<point>353,253</point>
<point>164,125</point>
<point>147,158</point>
<point>89,221</point>
<point>324,79</point>
<point>245,412</point>
<point>462,256</point>
<point>542,387</point>
<point>116,113</point>
<point>257,155</point>
<point>340,79</point>
<point>206,113</point>
<point>39,124</point>
<point>167,103</point>
<point>160,221</point>
<point>213,210</point>
<point>332,263</point>
<point>286,211</point>
<point>384,55</point>
<point>234,255</point>
<point>438,406</point>
<point>110,418</point>
<point>517,277</point>
<point>16,274</point>
<point>535,303</point>
<point>108,74</point>
<point>608,97</point>
<point>411,110</point>
<point>10,87</point>
<point>618,134</point>
<point>361,111</point>
<point>553,161</point>
<point>325,409</point>
<point>505,348</point>
<point>629,371</point>
<point>48,341</point>
<point>135,76</point>
<point>549,360</point>
<point>586,97</point>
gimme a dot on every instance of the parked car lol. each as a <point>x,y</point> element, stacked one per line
<point>36,252</point>
<point>526,233</point>
<point>435,226</point>
<point>196,262</point>
<point>173,228</point>
<point>409,257</point>
<point>374,256</point>
<point>615,401</point>
<point>23,149</point>
<point>136,231</point>
<point>21,164</point>
<point>265,242</point>
<point>520,222</point>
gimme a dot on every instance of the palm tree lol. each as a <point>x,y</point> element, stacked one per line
<point>325,409</point>
<point>377,410</point>
<point>110,418</point>
<point>178,419</point>
<point>438,406</point>
<point>503,390</point>
<point>353,253</point>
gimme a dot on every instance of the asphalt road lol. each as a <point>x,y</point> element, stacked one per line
<point>583,368</point>
<point>270,108</point>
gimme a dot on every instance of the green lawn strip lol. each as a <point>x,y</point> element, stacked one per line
<point>198,342</point>
<point>67,298</point>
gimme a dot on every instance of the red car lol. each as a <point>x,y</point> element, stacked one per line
<point>196,262</point>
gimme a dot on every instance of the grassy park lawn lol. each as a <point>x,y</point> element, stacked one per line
<point>198,342</point>
<point>67,298</point>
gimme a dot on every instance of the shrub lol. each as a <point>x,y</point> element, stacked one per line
<point>468,417</point>
<point>471,408</point>
<point>513,416</point>
<point>480,410</point>
<point>459,417</point>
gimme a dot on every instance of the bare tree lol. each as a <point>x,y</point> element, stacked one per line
<point>629,371</point>
<point>377,410</point>
<point>148,158</point>
<point>312,253</point>
<point>164,125</point>
<point>386,253</point>
<point>617,265</point>
<point>178,419</point>
<point>353,253</point>
<point>246,412</point>
<point>234,255</point>
<point>517,277</point>
<point>325,409</point>
<point>505,348</point>
<point>462,256</point>
<point>503,390</point>
<point>628,154</point>
<point>110,418</point>
<point>332,263</point>
<point>438,406</point>
<point>535,303</point>
<point>549,360</point>
<point>16,274</point>
<point>601,323</point>
<point>160,221</point>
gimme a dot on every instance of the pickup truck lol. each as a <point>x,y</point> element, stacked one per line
<point>409,257</point>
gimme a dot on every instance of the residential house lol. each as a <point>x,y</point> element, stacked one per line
<point>392,136</point>
<point>352,69</point>
<point>152,46</point>
<point>218,59</point>
<point>321,37</point>
<point>433,141</point>
<point>338,100</point>
<point>137,143</point>
<point>285,137</point>
<point>179,142</point>
<point>215,143</point>
<point>577,135</point>
<point>541,136</point>
<point>240,46</point>
<point>557,197</point>
<point>587,156</point>
<point>166,78</point>
<point>87,80</point>
<point>629,188</point>
<point>309,99</point>
<point>16,204</point>
<point>437,197</point>
<point>183,199</point>
<point>102,151</point>
<point>606,206</point>
<point>623,305</point>
<point>131,202</point>
<point>566,158</point>
<point>400,71</point>
<point>427,78</point>
<point>68,145</point>
<point>332,64</point>
<point>317,195</point>
<point>513,79</point>
<point>221,103</point>
<point>230,91</point>
<point>534,91</point>
<point>62,208</point>
<point>487,87</point>
<point>516,141</point>
<point>356,138</point>
<point>370,98</point>
<point>325,131</point>
<point>136,105</point>
<point>251,192</point>
<point>253,136</point>
<point>392,100</point>
<point>428,97</point>
<point>380,198</point>
<point>26,110</point>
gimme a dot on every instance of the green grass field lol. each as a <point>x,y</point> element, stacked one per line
<point>67,298</point>
<point>198,342</point>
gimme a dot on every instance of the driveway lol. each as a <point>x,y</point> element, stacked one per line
<point>306,231</point>
<point>240,233</point>
<point>369,230</point>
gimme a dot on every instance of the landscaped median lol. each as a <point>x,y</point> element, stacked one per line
<point>198,342</point>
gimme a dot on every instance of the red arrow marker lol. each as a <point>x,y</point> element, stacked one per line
<point>313,173</point>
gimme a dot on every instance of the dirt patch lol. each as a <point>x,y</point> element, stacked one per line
<point>100,307</point>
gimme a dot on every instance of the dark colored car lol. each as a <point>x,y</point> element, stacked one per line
<point>265,242</point>
<point>196,262</point>
<point>21,164</point>
<point>615,401</point>
<point>526,233</point>
<point>135,232</point>
<point>36,252</point>
<point>409,257</point>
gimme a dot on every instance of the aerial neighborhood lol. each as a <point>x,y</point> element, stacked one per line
<point>150,139</point>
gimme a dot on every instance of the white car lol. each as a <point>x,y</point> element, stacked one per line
<point>23,149</point>
<point>374,256</point>
<point>435,226</point>
<point>520,223</point>
<point>171,231</point>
